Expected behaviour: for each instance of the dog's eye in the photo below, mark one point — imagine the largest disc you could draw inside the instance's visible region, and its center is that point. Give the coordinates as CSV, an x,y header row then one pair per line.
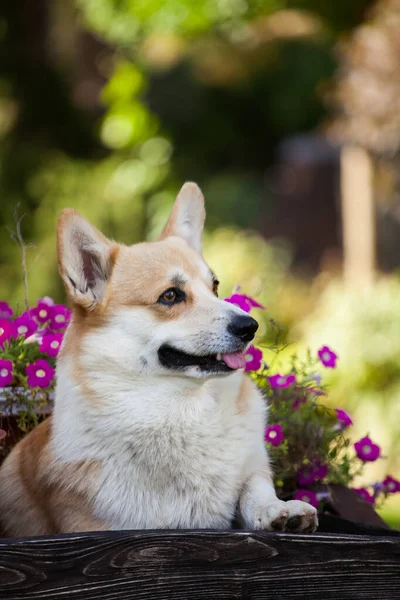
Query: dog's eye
x,y
171,296
215,287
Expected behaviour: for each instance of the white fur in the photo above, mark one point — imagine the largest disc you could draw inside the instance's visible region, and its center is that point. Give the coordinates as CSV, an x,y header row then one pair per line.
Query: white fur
x,y
175,451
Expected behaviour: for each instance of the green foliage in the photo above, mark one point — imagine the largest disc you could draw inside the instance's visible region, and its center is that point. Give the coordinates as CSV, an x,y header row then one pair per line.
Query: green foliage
x,y
364,328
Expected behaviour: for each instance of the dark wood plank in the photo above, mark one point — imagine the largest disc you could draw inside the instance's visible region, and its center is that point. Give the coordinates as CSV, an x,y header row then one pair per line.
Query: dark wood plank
x,y
200,565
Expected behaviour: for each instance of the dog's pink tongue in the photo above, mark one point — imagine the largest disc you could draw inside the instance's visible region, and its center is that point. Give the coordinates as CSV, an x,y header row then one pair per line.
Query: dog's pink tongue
x,y
234,360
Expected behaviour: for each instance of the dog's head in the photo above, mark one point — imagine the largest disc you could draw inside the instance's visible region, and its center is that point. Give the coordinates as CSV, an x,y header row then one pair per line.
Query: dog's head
x,y
151,307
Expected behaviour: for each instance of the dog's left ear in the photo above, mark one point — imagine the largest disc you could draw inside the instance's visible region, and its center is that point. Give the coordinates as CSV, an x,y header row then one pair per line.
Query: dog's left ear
x,y
187,217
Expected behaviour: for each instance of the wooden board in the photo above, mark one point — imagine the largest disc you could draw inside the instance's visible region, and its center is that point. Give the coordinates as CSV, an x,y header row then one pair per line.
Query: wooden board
x,y
200,565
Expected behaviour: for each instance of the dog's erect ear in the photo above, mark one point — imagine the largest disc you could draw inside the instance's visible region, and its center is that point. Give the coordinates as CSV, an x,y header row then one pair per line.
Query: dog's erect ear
x,y
85,259
187,216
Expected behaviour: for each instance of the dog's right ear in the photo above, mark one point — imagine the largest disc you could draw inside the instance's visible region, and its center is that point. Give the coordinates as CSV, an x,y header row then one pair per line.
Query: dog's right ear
x,y
85,259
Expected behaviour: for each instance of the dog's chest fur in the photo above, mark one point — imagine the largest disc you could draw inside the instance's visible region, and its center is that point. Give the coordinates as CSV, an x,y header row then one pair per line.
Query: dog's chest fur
x,y
178,463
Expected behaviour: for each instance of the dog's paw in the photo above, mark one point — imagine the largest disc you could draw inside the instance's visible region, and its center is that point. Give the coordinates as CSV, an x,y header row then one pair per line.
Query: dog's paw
x,y
293,516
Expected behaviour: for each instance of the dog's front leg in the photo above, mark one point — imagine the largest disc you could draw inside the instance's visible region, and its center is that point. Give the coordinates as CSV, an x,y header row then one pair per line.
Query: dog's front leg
x,y
259,507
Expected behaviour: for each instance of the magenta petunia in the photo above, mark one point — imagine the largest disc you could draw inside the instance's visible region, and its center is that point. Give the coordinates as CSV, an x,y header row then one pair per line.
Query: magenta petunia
x,y
25,325
281,381
244,302
365,494
311,473
60,316
391,485
6,312
51,343
367,450
328,357
47,300
6,375
306,496
253,303
253,359
240,301
274,435
40,373
344,418
7,331
41,312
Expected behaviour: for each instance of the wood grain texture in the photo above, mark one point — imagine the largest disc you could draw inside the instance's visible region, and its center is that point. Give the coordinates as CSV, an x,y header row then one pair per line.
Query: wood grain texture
x,y
200,565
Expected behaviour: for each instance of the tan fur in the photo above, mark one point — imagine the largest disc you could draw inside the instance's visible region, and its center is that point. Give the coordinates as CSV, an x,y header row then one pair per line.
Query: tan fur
x,y
46,499
242,401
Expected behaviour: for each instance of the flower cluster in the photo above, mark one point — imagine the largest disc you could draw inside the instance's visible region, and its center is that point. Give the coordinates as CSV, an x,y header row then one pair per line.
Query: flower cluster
x,y
308,441
30,342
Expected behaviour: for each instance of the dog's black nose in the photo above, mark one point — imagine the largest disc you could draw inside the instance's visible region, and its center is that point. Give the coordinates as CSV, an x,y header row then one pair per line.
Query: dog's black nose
x,y
243,327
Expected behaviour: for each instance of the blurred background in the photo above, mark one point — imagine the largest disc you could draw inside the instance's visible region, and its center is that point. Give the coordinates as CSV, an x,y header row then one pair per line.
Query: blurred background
x,y
287,114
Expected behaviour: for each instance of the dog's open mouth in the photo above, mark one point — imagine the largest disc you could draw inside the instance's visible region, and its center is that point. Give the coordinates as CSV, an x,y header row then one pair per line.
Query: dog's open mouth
x,y
216,363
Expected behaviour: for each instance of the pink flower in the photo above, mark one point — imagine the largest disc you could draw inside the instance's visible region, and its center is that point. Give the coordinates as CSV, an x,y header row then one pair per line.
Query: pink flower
x,y
6,375
274,435
367,450
281,381
311,473
244,302
253,359
364,494
391,485
7,331
51,344
42,312
344,418
25,325
6,312
60,316
306,496
40,374
327,357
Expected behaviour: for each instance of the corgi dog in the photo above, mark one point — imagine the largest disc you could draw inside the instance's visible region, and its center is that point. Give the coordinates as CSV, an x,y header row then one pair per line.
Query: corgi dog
x,y
155,425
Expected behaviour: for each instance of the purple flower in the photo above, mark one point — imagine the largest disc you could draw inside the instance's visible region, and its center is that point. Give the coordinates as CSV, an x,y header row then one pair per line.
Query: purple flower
x,y
25,325
47,300
42,312
60,316
391,485
311,473
378,488
274,435
364,494
367,450
51,344
253,359
40,374
7,331
306,496
240,301
6,312
6,375
328,357
244,302
344,418
281,381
